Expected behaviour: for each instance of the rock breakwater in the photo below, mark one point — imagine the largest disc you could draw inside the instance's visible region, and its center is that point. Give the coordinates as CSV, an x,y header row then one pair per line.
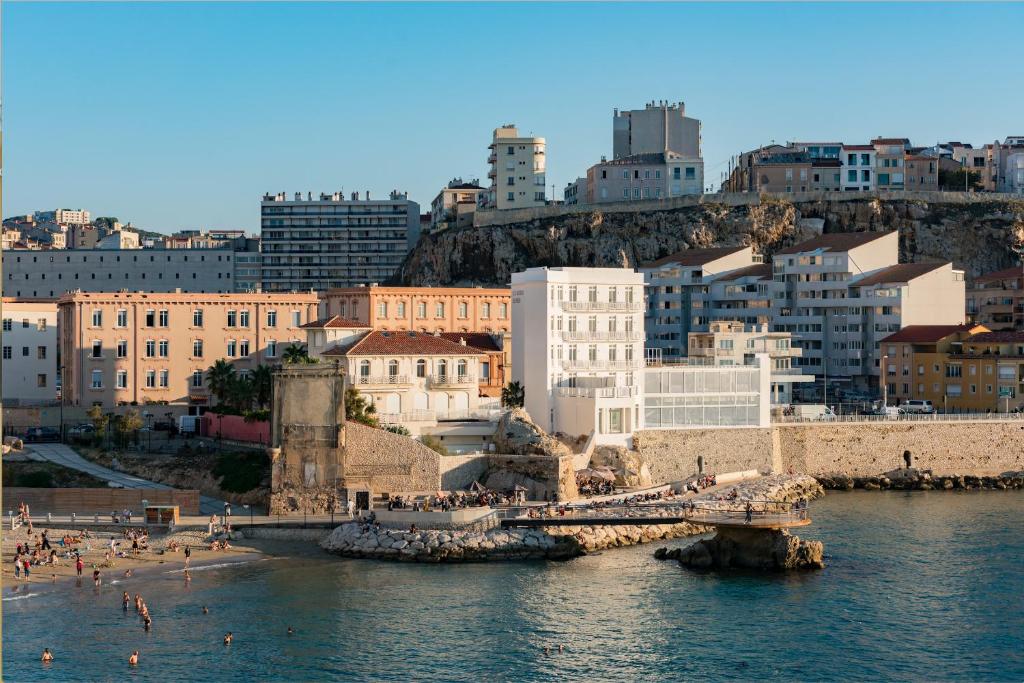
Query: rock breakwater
x,y
760,549
357,539
921,480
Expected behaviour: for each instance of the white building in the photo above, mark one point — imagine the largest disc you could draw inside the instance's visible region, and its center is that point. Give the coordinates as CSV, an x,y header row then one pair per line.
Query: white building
x,y
858,168
577,350
517,172
29,351
72,216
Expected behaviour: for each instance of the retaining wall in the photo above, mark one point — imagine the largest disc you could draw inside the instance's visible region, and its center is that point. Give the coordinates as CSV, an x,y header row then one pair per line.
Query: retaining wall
x,y
91,501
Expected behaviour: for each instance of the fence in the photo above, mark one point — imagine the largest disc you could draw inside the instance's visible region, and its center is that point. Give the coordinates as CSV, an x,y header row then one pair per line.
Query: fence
x,y
235,428
904,417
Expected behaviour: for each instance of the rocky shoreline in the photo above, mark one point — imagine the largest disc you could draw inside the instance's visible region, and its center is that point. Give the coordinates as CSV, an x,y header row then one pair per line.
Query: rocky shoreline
x,y
921,480
760,549
553,543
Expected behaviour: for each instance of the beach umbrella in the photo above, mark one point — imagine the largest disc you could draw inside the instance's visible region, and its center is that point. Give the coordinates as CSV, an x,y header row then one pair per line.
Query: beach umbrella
x,y
477,486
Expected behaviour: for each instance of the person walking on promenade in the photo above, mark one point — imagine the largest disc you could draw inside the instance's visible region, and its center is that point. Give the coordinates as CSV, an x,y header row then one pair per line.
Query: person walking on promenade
x,y
750,513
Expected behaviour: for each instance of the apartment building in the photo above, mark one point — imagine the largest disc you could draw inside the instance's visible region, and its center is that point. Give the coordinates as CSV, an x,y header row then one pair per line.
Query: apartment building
x,y
30,374
890,163
72,217
422,309
518,170
658,127
858,169
575,192
1006,165
656,175
454,205
922,173
677,294
49,274
729,342
996,300
319,243
122,348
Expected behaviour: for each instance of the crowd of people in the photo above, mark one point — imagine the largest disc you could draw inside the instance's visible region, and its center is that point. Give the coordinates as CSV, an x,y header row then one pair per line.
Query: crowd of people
x,y
124,517
454,500
588,486
705,481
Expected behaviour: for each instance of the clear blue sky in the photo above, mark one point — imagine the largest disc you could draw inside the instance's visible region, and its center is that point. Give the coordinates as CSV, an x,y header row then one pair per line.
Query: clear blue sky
x,y
182,115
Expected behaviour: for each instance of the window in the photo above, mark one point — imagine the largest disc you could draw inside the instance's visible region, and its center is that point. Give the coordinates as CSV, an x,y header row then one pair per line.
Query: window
x,y
485,370
97,379
197,318
8,324
439,309
421,309
382,309
503,311
7,353
41,379
97,319
164,378
364,368
461,367
163,317
197,378
690,173
197,348
122,349
163,348
41,352
232,319
442,369
485,310
232,348
243,318
97,348
122,379
271,318
296,318
24,351
851,176
243,348
463,310
392,368
150,348
122,318
400,306
421,368
150,379
271,349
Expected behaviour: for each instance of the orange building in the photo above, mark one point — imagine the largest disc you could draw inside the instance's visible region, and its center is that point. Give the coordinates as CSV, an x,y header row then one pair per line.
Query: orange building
x,y
422,309
127,348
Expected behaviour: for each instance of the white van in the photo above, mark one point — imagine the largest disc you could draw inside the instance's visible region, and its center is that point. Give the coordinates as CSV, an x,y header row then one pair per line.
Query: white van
x,y
917,406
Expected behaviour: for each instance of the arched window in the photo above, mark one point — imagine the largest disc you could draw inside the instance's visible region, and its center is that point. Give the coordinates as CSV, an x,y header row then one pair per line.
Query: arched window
x,y
461,367
442,368
364,368
392,368
421,368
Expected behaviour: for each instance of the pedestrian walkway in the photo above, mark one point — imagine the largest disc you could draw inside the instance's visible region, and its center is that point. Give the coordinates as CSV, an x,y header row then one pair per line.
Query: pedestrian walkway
x,y
64,455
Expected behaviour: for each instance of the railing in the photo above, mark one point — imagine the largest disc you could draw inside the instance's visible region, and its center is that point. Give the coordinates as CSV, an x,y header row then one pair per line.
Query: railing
x,y
489,414
586,365
451,380
762,513
905,417
606,306
597,392
587,336
368,380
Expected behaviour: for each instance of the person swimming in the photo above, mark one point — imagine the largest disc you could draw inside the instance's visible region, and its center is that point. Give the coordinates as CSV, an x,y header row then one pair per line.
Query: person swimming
x,y
206,610
290,630
125,600
134,659
228,638
47,655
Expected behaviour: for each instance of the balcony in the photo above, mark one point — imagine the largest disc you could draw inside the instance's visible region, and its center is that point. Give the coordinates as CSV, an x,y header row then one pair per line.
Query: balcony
x,y
597,392
606,336
380,380
593,365
603,306
443,381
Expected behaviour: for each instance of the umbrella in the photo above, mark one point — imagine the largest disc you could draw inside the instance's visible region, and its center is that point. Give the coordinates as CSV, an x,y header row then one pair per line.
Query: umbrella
x,y
596,474
519,487
477,486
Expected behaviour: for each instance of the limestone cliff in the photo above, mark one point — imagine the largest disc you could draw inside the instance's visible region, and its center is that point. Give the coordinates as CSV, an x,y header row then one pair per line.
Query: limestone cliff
x,y
977,235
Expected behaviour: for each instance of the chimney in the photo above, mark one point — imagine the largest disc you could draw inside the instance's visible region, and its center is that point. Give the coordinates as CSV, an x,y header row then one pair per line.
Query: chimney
x,y
462,340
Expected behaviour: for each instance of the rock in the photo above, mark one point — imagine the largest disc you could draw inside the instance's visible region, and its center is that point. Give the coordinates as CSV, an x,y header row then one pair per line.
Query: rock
x,y
517,434
399,545
762,549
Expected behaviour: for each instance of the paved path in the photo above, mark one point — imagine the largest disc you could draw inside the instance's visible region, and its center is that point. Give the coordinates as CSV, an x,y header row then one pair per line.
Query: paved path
x,y
61,454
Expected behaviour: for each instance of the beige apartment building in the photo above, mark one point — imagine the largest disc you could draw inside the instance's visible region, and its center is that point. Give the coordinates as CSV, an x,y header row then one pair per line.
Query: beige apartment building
x,y
422,309
122,348
996,300
517,172
30,374
454,205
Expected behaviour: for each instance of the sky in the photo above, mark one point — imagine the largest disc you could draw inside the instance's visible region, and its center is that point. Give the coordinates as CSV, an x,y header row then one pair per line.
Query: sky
x,y
181,115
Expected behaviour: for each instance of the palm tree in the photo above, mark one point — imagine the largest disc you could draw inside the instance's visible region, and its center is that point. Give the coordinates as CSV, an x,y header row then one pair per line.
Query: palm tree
x,y
262,380
513,395
295,354
219,377
239,393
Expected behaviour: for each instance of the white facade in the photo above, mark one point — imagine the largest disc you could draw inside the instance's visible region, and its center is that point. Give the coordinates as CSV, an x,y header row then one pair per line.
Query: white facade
x,y
72,216
29,351
858,168
518,169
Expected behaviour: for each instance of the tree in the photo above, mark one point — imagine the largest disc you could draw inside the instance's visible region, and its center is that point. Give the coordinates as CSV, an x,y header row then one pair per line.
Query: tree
x,y
513,395
953,181
239,393
100,420
105,221
398,429
219,378
357,409
262,382
296,354
127,424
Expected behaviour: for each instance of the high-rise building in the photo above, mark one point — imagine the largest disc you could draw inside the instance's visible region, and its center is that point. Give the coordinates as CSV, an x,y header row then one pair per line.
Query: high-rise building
x,y
329,241
658,127
517,172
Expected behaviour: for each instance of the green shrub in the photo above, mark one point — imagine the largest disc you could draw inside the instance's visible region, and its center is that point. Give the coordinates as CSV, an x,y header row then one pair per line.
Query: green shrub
x,y
241,471
434,444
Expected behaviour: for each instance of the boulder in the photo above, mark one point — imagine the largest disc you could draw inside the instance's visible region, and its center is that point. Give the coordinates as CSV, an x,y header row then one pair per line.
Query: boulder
x,y
517,434
760,549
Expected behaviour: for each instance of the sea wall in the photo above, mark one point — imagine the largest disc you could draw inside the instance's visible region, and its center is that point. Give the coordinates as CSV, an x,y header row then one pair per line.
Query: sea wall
x,y
977,448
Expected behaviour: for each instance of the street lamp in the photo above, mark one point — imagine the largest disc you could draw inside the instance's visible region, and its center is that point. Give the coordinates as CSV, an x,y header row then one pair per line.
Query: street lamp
x,y
885,380
249,508
60,374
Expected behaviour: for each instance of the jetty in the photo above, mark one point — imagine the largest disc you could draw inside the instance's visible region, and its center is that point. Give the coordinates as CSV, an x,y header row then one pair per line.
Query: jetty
x,y
765,514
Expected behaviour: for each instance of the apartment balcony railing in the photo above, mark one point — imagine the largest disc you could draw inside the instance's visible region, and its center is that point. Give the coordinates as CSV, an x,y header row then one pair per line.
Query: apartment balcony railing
x,y
606,336
597,392
603,306
452,380
380,380
433,416
590,365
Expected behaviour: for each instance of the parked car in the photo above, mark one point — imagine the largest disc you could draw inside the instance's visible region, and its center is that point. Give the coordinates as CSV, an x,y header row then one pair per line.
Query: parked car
x,y
165,426
84,430
38,434
891,412
917,406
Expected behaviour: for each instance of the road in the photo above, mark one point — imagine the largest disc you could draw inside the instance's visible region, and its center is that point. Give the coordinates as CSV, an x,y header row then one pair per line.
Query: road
x,y
61,454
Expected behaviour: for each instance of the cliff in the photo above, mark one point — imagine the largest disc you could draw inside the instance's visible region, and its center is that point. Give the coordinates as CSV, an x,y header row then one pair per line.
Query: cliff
x,y
975,232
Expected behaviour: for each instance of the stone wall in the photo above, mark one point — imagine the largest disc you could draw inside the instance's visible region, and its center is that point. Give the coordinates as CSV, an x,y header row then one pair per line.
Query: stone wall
x,y
458,472
856,449
672,455
545,477
391,463
91,501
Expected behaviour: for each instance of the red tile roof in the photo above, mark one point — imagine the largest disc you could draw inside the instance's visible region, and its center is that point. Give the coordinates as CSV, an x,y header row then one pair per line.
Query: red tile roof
x,y
996,337
335,321
694,257
836,241
481,341
922,334
1005,274
380,343
891,141
904,272
760,270
863,147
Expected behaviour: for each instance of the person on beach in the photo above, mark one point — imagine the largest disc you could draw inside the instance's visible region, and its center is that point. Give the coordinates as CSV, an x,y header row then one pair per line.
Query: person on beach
x,y
134,659
228,638
17,565
138,602
125,600
46,541
127,573
750,513
47,656
96,578
26,566
188,577
79,565
147,622
291,631
188,554
53,578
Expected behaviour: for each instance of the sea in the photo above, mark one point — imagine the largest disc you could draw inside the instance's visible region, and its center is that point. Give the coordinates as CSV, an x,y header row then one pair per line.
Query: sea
x,y
919,586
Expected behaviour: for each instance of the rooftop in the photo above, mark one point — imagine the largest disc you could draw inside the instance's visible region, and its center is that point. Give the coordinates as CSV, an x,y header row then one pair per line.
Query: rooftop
x,y
996,337
836,241
694,257
761,271
904,272
334,322
923,334
1005,274
649,158
481,341
379,343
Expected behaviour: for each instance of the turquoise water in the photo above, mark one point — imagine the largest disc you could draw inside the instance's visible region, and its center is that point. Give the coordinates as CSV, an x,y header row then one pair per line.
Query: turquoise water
x,y
918,586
